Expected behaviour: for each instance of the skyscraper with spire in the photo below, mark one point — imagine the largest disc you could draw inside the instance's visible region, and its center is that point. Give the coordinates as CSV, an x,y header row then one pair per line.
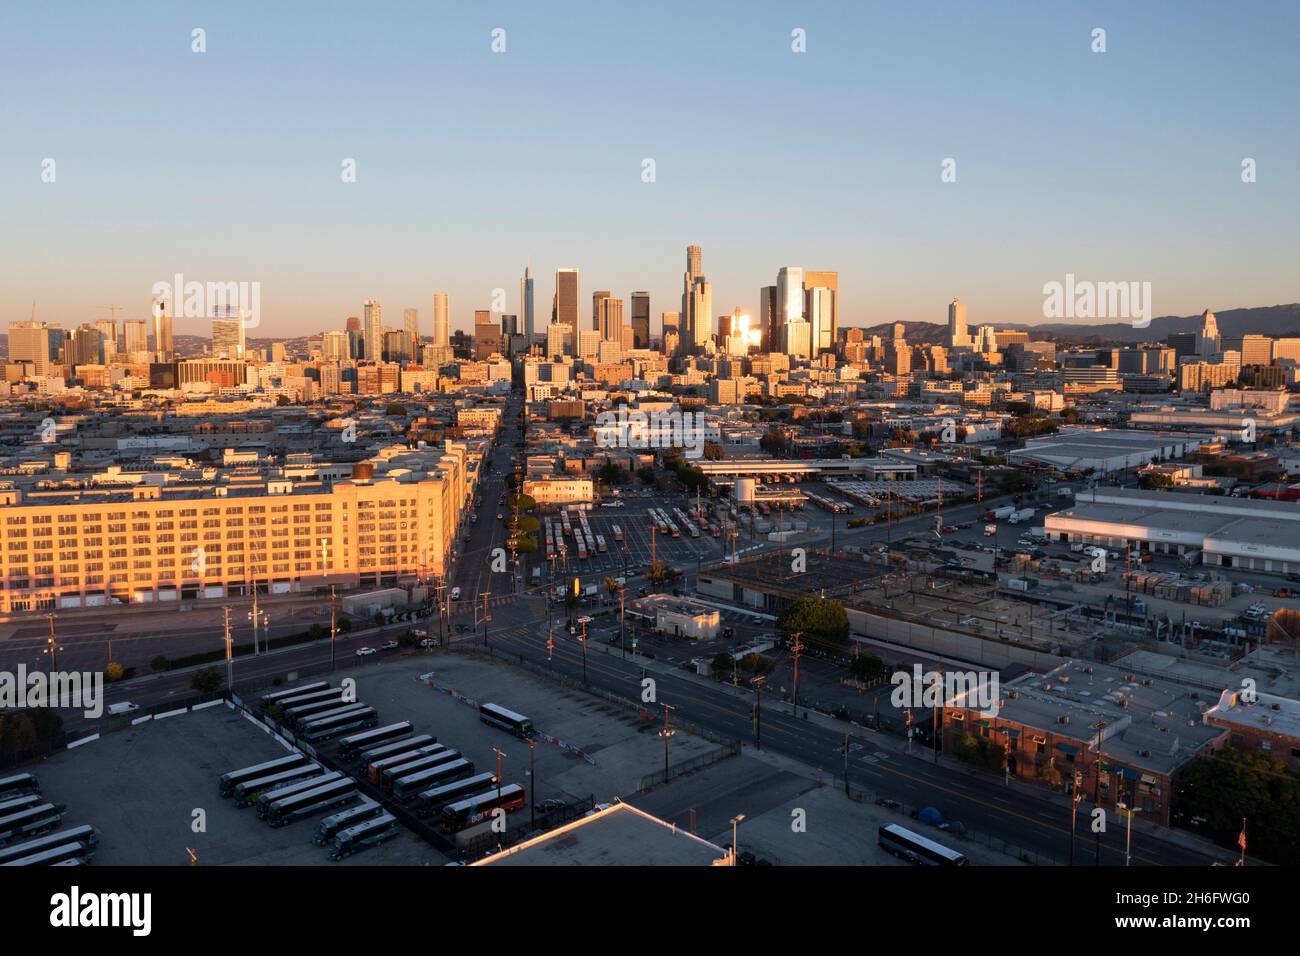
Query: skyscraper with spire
x,y
526,305
697,302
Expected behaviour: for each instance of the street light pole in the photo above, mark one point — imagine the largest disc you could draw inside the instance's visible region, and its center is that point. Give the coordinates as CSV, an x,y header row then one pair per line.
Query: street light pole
x,y
735,829
333,627
230,670
758,710
666,733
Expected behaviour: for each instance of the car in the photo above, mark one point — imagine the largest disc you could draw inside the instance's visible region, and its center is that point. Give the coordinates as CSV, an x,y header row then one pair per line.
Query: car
x,y
500,516
417,632
549,805
428,643
388,646
365,651
1146,559
455,594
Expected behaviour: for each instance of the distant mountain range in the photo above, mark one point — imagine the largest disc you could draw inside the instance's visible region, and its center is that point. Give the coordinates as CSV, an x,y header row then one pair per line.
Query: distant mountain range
x,y
1275,320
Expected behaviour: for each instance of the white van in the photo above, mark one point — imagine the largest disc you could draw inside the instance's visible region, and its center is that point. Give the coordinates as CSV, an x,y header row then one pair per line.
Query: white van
x,y
125,707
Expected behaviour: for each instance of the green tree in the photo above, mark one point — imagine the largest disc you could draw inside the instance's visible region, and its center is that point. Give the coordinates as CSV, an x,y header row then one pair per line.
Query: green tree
x,y
866,667
160,664
206,680
1230,784
819,620
396,410
114,672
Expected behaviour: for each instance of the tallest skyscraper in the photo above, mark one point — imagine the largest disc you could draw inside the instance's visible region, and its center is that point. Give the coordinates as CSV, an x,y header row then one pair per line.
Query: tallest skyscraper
x,y
697,302
526,305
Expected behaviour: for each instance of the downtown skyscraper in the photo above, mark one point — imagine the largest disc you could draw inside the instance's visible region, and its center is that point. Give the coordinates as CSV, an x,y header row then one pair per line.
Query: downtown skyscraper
x,y
641,320
372,330
526,309
697,303
441,320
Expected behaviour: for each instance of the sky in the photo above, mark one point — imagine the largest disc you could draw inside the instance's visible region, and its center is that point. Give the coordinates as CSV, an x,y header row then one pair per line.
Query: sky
x,y
471,164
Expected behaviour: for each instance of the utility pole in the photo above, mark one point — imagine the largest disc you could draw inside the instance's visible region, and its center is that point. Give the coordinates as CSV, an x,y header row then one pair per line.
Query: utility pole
x,y
486,617
1096,794
1076,797
52,646
847,792
622,593
758,683
584,620
532,782
333,627
500,756
796,648
934,732
666,733
255,617
230,669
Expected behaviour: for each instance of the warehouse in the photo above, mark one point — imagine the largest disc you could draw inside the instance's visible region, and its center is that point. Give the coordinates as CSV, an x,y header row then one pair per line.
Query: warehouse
x,y
1244,533
1104,450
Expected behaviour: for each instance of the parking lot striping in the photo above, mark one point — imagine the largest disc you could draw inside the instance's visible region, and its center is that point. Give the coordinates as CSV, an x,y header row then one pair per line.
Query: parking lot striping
x,y
83,740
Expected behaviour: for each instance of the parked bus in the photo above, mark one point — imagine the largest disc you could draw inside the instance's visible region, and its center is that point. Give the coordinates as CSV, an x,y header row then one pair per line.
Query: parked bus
x,y
918,849
235,777
85,835
300,713
31,822
618,534
434,799
465,813
377,767
329,693
20,783
335,718
335,822
246,793
395,748
498,716
600,544
353,743
341,725
19,803
404,788
325,797
62,854
390,775
279,793
370,833
269,699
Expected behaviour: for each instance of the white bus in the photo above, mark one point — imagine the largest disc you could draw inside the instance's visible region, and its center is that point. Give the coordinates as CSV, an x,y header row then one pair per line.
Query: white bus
x,y
325,797
279,695
84,835
335,822
279,793
246,793
232,779
912,846
349,745
370,833
55,856
432,801
405,787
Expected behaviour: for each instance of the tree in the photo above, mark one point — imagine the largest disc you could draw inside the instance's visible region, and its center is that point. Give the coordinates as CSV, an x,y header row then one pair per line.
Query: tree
x,y
160,664
646,474
774,442
1048,774
114,672
396,410
721,664
1154,480
206,680
282,400
866,667
819,621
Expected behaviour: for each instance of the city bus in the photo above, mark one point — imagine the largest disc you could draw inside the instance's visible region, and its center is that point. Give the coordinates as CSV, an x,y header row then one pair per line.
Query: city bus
x,y
390,775
335,822
246,793
333,726
404,788
918,849
432,801
325,797
498,716
20,783
31,822
264,800
269,699
618,534
377,767
600,544
54,856
370,833
85,835
465,813
235,777
350,745
342,710
395,748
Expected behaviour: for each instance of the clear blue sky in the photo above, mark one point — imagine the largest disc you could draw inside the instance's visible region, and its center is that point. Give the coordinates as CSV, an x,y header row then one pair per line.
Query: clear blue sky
x,y
225,165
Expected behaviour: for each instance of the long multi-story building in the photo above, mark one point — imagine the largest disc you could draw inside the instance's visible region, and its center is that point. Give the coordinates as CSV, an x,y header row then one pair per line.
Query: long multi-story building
x,y
372,330
156,544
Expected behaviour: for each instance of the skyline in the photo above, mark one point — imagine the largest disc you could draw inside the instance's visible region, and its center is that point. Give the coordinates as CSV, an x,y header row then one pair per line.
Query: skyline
x,y
460,190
